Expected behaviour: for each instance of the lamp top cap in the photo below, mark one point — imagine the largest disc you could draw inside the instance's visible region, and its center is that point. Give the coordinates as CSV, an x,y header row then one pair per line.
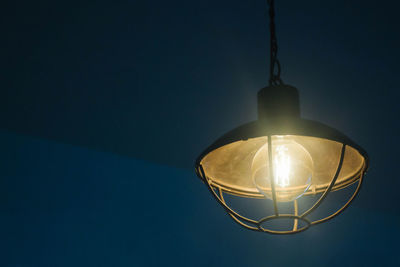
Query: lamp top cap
x,y
278,101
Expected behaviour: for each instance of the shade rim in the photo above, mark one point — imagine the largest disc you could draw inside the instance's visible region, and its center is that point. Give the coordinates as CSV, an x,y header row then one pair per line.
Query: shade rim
x,y
284,126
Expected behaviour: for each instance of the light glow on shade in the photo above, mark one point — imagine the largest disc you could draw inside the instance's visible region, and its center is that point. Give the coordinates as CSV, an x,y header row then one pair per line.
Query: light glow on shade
x,y
230,166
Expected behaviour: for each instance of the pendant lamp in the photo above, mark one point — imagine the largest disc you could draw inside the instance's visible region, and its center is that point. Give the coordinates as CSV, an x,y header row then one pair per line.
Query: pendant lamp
x,y
281,158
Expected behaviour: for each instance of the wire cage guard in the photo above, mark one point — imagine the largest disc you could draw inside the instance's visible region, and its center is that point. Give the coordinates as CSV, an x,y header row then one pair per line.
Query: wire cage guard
x,y
256,225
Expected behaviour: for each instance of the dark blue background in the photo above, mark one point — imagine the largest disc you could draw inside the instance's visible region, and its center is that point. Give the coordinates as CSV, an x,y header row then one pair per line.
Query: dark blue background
x,y
105,105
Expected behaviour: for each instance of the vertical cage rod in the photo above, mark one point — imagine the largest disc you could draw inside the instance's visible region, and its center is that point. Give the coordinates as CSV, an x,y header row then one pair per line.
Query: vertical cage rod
x,y
221,194
296,213
345,205
325,194
222,203
271,175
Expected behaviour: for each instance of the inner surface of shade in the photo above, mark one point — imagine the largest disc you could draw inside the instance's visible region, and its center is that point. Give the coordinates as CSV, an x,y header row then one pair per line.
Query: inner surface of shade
x,y
230,166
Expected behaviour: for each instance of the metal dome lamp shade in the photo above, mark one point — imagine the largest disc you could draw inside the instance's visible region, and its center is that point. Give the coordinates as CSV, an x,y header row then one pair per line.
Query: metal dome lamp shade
x,y
281,157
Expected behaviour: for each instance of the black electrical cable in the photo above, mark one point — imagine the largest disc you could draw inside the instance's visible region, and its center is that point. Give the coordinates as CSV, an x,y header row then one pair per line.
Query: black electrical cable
x,y
275,66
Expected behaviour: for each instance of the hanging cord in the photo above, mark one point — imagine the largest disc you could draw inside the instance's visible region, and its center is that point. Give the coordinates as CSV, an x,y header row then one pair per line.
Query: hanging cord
x,y
274,74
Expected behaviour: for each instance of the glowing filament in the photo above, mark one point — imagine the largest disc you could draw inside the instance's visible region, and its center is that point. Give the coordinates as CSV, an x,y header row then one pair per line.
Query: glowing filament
x,y
281,166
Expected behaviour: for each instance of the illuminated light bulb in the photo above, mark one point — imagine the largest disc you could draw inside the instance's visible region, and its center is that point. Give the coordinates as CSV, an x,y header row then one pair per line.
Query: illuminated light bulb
x,y
292,169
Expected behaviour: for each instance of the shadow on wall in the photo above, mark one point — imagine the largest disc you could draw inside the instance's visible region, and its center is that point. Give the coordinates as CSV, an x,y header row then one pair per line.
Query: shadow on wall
x,y
62,205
